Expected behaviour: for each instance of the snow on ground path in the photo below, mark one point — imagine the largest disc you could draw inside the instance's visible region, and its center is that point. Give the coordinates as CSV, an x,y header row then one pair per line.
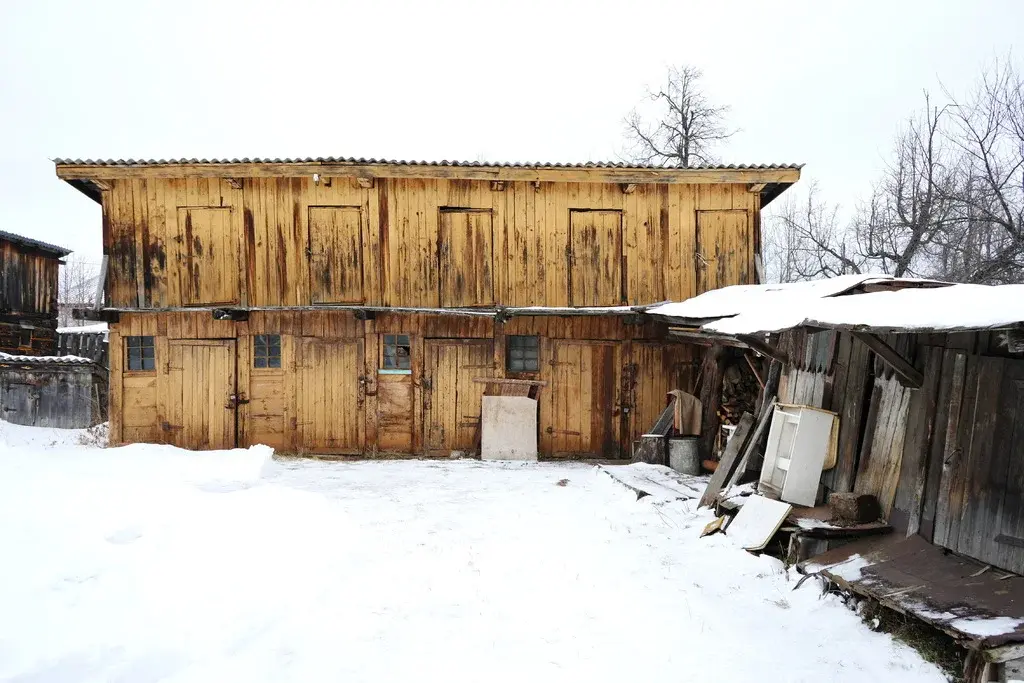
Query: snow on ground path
x,y
149,563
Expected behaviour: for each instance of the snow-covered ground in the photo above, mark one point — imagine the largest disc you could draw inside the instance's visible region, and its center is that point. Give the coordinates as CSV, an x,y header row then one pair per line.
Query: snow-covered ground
x,y
149,563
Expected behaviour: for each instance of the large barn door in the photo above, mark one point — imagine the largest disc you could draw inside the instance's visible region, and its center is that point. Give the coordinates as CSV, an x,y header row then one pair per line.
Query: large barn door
x,y
595,258
201,395
336,254
211,252
724,252
579,413
464,258
330,400
451,399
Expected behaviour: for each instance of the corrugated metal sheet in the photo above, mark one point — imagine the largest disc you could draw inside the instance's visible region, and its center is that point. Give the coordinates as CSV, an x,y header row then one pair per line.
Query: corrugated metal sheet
x,y
44,360
30,243
411,162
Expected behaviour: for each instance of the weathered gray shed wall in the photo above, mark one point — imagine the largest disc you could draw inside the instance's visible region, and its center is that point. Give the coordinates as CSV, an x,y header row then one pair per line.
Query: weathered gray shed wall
x,y
62,396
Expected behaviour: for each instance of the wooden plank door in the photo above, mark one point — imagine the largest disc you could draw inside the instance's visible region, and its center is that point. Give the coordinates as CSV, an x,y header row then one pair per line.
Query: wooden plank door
x,y
580,413
201,411
336,254
212,269
979,512
595,258
451,399
724,251
329,415
464,247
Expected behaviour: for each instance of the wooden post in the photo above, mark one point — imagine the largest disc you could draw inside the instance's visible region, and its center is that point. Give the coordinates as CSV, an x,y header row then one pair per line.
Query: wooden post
x,y
711,398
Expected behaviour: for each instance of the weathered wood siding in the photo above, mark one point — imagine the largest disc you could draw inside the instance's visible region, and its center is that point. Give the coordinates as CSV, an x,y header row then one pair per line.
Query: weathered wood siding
x,y
61,396
606,381
28,300
421,242
946,460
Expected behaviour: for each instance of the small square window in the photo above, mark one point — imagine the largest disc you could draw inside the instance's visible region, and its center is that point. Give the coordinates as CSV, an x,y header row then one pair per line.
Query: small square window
x,y
141,353
397,352
266,351
522,353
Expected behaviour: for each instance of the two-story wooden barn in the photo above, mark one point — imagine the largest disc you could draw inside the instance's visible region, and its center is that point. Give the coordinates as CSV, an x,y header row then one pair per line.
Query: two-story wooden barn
x,y
345,305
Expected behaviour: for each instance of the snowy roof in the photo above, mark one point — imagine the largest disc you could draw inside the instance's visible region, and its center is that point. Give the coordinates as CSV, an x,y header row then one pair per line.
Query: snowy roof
x,y
93,328
889,304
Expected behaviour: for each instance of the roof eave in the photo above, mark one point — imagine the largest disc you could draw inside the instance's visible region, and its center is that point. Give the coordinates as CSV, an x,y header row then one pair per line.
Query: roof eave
x,y
769,176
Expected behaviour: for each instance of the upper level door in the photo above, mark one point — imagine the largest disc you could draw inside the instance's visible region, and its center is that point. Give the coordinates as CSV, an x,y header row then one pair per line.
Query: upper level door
x,y
336,254
212,266
464,249
595,258
724,252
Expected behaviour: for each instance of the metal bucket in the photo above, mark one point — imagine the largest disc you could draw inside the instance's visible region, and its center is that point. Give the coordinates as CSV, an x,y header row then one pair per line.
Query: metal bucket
x,y
684,454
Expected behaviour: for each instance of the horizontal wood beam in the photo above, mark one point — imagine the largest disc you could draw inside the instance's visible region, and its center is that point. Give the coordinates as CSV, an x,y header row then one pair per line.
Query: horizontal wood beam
x,y
908,375
280,170
764,348
756,187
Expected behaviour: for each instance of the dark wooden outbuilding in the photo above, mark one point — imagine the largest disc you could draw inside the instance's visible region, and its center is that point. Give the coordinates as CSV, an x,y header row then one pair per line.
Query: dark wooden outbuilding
x,y
28,295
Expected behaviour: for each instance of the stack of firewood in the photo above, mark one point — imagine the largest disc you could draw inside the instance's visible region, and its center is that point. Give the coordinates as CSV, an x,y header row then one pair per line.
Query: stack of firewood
x,y
739,392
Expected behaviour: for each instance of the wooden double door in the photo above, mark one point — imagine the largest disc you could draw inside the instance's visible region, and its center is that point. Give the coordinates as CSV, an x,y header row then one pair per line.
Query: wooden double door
x,y
203,396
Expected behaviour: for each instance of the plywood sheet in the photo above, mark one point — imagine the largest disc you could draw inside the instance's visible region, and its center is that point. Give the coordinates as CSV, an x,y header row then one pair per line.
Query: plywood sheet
x,y
509,428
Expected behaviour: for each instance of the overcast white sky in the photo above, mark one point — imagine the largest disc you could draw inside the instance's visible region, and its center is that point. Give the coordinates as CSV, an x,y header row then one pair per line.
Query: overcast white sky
x,y
824,83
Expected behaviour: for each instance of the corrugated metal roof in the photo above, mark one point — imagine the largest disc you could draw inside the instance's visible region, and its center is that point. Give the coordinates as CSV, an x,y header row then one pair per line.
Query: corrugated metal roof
x,y
411,162
44,360
34,244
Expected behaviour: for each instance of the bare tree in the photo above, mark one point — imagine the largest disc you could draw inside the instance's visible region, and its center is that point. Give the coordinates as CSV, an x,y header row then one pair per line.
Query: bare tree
x,y
805,240
949,205
76,288
684,127
915,200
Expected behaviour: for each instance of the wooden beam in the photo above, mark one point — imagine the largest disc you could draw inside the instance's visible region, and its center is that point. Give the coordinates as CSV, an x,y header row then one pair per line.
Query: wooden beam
x,y
908,375
498,185
101,184
628,188
235,183
370,171
101,284
365,183
756,187
764,348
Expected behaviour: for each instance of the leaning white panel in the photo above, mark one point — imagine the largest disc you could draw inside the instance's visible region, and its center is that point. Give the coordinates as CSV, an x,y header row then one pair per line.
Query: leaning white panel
x,y
509,428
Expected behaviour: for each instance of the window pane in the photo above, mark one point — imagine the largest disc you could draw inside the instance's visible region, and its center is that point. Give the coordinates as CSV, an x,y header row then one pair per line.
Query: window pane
x,y
274,362
259,362
403,340
404,362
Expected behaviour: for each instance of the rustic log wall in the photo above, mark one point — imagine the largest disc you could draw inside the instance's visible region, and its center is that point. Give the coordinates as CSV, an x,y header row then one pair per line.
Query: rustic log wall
x,y
28,300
